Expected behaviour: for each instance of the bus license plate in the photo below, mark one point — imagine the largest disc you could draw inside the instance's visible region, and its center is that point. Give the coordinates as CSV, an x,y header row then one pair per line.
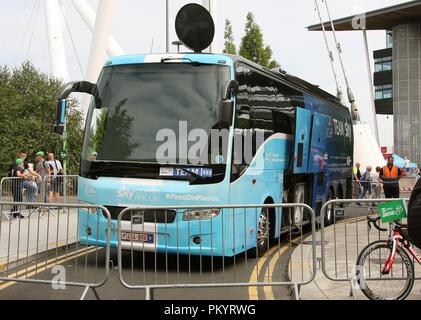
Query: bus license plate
x,y
137,237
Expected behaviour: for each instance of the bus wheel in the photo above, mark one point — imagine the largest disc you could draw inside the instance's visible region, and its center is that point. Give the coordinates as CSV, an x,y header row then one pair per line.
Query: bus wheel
x,y
330,212
263,230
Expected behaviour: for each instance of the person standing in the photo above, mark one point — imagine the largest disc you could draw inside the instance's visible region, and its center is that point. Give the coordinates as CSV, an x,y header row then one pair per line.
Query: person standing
x,y
42,168
390,176
376,183
366,180
56,182
31,184
20,155
356,185
17,186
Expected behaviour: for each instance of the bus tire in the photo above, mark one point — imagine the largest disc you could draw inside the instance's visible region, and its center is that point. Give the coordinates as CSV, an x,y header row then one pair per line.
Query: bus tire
x,y
262,233
330,210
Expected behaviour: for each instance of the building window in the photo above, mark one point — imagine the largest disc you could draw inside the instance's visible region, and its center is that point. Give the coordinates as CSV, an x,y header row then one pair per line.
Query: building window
x,y
383,64
384,92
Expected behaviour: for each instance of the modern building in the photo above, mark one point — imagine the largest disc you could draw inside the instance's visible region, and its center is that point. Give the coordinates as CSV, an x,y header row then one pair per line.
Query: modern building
x,y
397,74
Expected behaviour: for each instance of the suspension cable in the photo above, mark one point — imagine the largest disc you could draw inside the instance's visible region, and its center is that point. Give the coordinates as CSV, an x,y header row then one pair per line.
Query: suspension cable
x,y
26,30
71,40
351,99
33,30
338,88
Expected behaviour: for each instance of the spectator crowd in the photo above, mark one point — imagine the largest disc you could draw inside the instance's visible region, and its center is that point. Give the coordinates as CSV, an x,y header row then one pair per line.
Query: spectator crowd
x,y
39,179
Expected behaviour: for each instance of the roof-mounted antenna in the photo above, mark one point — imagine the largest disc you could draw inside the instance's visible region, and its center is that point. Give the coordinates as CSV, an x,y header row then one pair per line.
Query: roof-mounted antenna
x,y
351,99
332,60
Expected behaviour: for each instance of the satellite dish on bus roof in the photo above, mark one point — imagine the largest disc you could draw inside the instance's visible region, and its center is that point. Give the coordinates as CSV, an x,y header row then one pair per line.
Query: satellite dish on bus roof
x,y
195,27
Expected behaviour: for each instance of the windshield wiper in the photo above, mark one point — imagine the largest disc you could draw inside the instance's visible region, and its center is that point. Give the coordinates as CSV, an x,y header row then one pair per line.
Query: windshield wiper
x,y
193,63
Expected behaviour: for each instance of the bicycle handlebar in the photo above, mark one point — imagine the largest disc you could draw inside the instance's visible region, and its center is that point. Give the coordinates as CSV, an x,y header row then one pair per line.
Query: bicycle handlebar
x,y
375,221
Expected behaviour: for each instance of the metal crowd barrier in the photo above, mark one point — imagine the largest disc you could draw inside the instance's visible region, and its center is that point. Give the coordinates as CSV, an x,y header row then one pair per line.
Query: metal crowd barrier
x,y
51,244
342,242
60,189
206,253
374,190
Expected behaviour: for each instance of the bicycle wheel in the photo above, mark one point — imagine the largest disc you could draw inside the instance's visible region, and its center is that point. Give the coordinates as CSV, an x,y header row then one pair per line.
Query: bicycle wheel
x,y
377,286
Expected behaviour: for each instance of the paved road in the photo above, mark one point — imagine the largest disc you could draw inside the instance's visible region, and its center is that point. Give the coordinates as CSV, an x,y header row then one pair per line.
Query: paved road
x,y
84,264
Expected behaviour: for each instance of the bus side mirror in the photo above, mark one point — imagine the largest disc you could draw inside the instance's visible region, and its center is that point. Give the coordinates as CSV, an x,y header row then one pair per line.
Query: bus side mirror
x,y
226,112
60,117
226,108
231,87
65,91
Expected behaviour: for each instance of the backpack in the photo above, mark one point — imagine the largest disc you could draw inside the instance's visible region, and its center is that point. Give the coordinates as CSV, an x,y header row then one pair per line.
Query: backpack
x,y
11,171
414,215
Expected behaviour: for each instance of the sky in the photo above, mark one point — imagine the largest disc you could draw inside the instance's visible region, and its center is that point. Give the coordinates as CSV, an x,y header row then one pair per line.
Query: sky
x,y
139,27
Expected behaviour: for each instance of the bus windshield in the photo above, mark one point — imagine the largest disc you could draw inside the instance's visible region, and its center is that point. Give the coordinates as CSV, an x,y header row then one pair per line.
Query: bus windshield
x,y
138,101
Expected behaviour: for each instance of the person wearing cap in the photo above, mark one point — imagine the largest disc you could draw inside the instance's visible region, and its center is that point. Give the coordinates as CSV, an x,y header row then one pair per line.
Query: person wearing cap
x,y
42,168
20,155
17,186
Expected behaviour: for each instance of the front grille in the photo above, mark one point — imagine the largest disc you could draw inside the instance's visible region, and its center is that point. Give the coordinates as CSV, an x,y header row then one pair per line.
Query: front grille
x,y
149,215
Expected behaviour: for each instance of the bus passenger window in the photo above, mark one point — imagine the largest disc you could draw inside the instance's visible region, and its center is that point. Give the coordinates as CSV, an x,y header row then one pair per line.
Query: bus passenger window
x,y
282,123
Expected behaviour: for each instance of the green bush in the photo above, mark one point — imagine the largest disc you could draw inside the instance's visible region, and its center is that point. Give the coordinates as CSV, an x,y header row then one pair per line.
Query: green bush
x,y
28,100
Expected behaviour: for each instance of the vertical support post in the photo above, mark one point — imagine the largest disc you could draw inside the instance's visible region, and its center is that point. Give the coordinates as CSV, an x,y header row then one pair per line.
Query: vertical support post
x,y
58,64
370,80
88,15
98,54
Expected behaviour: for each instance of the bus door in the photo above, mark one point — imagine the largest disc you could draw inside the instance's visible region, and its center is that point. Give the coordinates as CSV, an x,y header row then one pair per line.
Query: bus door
x,y
302,140
317,159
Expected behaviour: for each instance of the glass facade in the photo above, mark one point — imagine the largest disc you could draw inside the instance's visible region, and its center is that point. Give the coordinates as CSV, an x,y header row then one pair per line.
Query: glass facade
x,y
384,92
407,90
383,64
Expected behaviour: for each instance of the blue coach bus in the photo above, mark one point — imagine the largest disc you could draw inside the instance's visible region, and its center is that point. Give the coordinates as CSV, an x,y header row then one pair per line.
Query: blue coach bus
x,y
301,150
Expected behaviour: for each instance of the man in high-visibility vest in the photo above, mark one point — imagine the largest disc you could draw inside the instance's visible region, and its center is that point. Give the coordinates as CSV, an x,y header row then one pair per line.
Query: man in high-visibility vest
x,y
390,175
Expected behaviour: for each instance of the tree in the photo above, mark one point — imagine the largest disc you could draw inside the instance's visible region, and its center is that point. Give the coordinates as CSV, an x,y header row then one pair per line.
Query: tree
x,y
252,46
28,109
229,39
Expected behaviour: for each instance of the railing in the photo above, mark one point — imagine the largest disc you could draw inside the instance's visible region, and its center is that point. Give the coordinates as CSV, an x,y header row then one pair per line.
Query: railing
x,y
221,251
59,189
48,244
342,242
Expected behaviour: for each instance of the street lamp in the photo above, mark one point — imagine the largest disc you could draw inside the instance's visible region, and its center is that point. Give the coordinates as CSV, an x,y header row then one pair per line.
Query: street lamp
x,y
178,43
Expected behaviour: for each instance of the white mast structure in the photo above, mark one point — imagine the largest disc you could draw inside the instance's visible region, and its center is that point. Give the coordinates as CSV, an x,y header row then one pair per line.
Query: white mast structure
x,y
211,6
58,63
88,15
102,31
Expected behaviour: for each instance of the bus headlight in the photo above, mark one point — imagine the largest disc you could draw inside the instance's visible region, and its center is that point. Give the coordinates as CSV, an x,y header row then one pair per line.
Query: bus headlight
x,y
209,214
89,210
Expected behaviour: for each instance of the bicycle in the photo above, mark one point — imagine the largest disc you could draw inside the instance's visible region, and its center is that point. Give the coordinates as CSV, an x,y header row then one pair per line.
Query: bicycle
x,y
384,265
